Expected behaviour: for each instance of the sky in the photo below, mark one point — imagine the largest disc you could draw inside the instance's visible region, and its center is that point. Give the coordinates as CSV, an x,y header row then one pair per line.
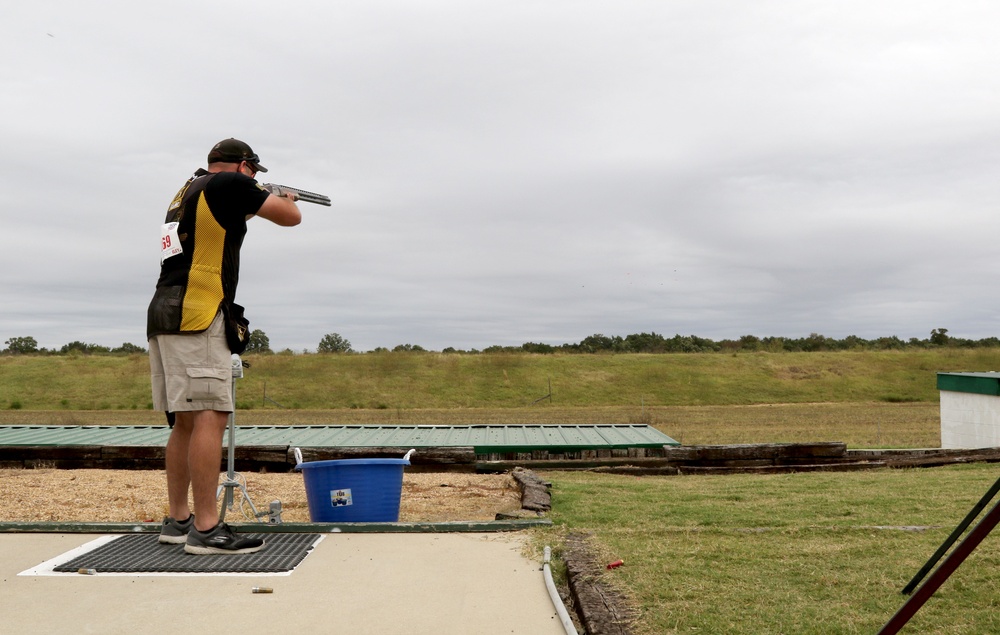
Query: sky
x,y
516,171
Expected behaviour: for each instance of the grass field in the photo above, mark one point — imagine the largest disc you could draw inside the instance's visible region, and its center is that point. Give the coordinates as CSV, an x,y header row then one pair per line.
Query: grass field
x,y
796,553
403,381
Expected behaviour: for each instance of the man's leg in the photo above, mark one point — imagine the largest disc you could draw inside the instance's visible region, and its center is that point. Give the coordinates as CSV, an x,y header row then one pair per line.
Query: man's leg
x,y
178,473
193,456
204,459
209,536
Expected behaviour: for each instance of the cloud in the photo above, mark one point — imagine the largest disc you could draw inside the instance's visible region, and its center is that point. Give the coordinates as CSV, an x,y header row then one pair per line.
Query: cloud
x,y
516,171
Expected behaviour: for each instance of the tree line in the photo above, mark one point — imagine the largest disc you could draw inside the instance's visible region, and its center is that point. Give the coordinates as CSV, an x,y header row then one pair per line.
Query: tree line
x,y
598,343
29,345
656,343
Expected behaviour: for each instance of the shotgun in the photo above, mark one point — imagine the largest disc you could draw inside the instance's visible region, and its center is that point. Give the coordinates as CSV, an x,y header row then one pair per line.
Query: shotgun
x,y
302,195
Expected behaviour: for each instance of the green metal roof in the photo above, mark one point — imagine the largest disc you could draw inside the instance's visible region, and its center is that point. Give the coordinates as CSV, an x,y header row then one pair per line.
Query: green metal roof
x,y
976,383
484,438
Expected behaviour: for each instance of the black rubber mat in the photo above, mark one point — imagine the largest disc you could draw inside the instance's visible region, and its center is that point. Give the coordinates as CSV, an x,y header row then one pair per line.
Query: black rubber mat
x,y
141,553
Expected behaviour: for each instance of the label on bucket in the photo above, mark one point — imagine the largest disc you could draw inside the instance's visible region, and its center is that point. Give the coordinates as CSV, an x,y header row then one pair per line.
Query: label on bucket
x,y
340,497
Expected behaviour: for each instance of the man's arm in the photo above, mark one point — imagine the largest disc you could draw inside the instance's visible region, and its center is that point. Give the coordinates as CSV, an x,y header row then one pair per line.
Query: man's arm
x,y
280,210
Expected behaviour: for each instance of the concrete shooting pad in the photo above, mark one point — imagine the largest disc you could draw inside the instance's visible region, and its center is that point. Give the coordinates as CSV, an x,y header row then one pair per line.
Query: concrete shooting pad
x,y
350,583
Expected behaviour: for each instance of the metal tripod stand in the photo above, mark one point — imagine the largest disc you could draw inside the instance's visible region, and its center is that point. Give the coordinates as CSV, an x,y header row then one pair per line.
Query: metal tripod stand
x,y
231,483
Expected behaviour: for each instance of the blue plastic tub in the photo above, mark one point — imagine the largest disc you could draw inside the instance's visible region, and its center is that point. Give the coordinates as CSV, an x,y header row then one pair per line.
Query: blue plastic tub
x,y
354,490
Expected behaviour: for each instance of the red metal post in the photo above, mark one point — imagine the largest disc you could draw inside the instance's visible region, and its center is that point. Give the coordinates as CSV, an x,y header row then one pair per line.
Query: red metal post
x,y
955,535
952,562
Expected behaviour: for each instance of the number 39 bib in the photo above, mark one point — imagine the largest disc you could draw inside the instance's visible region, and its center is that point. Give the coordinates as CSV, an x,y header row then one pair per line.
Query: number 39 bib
x,y
170,244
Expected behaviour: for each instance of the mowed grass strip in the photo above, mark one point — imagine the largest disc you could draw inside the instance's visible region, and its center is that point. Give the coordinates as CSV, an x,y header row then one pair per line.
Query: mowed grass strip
x,y
859,425
796,553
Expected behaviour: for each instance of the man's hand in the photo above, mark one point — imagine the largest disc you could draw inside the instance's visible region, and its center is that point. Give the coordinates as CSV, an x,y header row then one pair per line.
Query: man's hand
x,y
283,192
296,194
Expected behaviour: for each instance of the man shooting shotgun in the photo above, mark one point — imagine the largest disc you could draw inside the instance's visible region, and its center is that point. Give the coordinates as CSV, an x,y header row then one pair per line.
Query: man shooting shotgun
x,y
194,326
302,195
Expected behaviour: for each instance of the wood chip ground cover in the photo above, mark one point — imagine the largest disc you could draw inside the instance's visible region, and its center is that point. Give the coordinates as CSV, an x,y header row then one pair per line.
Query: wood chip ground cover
x,y
140,495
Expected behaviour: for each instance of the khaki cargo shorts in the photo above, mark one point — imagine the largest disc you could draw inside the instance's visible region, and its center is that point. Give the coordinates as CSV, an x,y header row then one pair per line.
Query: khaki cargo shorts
x,y
192,371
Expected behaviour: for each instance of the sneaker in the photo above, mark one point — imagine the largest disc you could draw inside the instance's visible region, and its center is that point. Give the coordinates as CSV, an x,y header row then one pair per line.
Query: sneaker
x,y
174,532
220,540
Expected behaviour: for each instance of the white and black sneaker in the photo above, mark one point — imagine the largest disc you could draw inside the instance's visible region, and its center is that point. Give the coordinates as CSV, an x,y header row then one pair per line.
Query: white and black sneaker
x,y
220,540
174,532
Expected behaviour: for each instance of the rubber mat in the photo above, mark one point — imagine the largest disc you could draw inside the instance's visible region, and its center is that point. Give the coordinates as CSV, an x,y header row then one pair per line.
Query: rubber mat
x,y
142,553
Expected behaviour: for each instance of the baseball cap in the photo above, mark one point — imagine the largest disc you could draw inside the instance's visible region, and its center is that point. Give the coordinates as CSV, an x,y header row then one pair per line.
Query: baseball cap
x,y
233,151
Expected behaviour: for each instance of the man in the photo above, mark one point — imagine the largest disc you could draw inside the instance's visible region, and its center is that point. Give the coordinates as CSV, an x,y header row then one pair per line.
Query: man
x,y
190,359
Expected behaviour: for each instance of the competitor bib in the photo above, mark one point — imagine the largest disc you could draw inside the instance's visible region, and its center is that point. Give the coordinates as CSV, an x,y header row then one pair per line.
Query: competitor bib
x,y
170,243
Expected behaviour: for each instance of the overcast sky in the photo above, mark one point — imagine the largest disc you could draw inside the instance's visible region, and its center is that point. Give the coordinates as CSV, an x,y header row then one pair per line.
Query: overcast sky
x,y
515,171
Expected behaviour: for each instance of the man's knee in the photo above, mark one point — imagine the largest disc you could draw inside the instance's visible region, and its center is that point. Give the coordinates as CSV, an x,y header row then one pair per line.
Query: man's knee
x,y
212,417
193,417
183,425
208,422
184,420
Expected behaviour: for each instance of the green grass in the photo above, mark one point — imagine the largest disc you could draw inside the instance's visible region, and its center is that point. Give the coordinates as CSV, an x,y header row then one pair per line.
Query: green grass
x,y
390,381
798,553
859,424
70,382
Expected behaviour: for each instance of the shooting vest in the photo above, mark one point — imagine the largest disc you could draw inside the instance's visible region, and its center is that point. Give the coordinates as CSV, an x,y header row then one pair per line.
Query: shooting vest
x,y
200,251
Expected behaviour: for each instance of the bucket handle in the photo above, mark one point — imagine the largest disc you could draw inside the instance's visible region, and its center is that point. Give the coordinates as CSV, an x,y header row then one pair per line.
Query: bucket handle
x,y
298,456
407,456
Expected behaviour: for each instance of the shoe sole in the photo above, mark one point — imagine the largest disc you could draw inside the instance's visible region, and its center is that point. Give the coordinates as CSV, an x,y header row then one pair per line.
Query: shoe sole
x,y
198,550
172,540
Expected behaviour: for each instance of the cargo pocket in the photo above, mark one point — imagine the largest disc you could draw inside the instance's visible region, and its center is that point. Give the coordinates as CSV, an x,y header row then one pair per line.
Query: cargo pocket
x,y
208,384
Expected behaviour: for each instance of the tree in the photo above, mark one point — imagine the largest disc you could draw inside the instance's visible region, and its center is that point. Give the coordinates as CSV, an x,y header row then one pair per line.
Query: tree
x,y
408,348
815,342
886,343
334,343
84,348
532,347
599,342
128,348
939,337
258,342
644,343
750,342
21,345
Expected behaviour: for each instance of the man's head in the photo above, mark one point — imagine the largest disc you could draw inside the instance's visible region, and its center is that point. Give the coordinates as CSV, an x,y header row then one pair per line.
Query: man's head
x,y
235,151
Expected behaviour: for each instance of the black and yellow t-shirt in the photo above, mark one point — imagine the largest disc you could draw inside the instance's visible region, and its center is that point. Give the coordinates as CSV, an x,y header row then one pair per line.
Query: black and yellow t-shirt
x,y
210,213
